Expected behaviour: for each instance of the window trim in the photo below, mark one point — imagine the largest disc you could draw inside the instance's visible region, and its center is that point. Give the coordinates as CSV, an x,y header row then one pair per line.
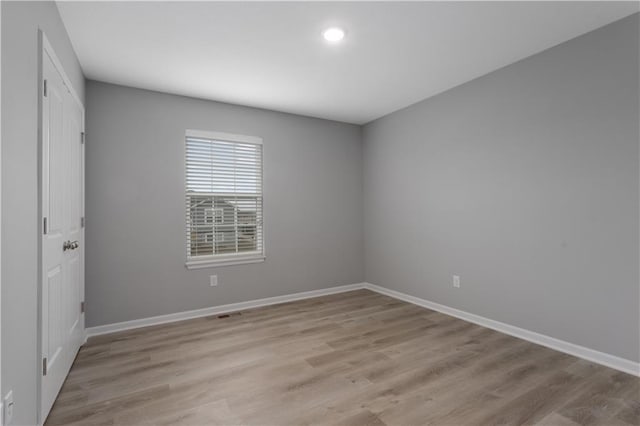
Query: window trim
x,y
257,256
229,260
221,136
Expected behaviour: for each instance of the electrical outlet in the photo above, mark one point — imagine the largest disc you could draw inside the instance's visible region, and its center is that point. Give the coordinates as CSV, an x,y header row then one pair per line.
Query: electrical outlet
x,y
456,281
8,409
213,280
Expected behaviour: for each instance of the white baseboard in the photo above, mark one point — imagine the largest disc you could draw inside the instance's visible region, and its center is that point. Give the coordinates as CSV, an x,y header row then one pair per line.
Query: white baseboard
x,y
216,310
592,355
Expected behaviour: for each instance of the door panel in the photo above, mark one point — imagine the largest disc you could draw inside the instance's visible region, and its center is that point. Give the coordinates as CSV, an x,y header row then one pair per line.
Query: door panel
x,y
54,141
73,315
62,209
53,297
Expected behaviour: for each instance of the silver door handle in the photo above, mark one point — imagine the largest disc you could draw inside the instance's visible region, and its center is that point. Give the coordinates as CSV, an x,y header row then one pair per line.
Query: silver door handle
x,y
70,245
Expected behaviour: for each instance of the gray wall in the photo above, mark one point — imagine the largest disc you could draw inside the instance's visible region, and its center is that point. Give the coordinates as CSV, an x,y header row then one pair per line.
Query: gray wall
x,y
20,53
525,183
135,236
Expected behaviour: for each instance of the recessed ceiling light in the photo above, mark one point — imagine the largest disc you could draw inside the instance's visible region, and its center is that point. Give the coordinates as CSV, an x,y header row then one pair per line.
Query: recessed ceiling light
x,y
333,34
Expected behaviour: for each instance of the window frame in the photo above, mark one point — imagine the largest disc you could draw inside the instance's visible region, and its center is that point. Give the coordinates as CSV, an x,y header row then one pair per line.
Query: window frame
x,y
215,260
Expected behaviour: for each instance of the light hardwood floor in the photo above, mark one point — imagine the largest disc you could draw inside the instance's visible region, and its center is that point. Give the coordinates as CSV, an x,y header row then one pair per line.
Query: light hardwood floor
x,y
356,358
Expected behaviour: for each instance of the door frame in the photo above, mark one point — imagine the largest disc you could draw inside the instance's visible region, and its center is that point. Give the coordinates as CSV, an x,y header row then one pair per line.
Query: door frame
x,y
45,48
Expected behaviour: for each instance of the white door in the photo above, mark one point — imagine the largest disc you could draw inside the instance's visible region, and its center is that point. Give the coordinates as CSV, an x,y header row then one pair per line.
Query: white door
x,y
62,231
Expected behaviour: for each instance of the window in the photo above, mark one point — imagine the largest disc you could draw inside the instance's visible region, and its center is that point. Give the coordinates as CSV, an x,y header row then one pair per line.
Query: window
x,y
212,215
223,199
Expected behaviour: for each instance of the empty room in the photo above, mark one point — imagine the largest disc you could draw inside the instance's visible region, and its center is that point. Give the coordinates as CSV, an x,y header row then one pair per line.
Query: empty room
x,y
319,213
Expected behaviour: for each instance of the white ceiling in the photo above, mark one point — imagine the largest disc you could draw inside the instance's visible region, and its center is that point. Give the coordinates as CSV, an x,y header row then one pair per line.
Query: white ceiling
x,y
272,55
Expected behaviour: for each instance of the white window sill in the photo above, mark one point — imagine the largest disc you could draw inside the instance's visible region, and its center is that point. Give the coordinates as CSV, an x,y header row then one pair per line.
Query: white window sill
x,y
229,261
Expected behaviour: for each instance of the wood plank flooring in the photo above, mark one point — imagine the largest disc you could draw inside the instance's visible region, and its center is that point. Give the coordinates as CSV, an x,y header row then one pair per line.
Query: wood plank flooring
x,y
357,358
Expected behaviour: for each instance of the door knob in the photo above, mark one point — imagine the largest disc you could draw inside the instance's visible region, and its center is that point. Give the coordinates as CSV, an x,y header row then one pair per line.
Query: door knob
x,y
70,245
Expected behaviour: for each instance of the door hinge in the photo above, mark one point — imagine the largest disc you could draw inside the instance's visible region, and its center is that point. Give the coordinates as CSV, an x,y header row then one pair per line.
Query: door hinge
x,y
44,226
82,222
81,137
82,307
44,366
45,88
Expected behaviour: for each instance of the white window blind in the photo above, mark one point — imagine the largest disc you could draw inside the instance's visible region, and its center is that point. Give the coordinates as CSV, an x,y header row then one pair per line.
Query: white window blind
x,y
223,199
